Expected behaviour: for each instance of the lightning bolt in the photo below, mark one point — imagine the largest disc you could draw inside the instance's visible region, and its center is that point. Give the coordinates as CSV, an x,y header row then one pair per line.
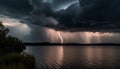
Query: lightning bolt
x,y
60,36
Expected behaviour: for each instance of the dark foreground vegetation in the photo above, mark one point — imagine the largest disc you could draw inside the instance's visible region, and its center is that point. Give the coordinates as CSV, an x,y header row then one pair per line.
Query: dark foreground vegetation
x,y
11,52
17,61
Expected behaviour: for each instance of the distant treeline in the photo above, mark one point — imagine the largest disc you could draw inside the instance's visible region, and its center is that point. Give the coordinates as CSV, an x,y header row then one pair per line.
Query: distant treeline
x,y
70,44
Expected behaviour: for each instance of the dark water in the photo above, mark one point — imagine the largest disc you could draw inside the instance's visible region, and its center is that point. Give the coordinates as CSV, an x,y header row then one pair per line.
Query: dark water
x,y
75,57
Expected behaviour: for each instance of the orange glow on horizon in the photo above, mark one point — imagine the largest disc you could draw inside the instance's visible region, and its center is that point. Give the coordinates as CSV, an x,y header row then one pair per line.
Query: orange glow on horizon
x,y
8,24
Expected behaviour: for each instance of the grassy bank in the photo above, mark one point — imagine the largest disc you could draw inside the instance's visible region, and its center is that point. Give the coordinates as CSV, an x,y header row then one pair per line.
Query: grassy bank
x,y
17,61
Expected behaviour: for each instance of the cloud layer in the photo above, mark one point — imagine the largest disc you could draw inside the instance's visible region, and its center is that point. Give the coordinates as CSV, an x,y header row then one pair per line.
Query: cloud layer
x,y
84,15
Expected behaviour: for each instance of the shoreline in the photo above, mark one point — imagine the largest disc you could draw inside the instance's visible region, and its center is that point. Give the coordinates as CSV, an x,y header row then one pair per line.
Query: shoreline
x,y
71,44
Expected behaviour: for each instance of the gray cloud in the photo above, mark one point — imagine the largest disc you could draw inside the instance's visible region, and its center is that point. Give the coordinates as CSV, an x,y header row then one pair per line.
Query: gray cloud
x,y
85,15
100,9
93,15
20,5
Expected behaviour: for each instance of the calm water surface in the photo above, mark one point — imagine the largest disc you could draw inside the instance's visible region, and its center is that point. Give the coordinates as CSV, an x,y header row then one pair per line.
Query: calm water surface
x,y
75,56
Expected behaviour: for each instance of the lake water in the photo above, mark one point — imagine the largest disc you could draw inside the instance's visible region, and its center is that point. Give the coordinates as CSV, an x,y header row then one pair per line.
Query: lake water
x,y
75,57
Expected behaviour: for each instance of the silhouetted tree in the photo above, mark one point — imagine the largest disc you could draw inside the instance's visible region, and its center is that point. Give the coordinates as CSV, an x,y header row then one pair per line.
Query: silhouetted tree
x,y
10,48
9,43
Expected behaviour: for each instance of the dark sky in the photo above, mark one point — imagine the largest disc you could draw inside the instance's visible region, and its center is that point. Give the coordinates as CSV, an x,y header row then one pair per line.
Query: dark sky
x,y
65,14
29,17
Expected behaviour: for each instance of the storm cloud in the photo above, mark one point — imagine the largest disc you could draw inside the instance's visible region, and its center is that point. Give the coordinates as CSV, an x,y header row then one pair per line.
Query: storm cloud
x,y
92,15
13,8
65,14
100,9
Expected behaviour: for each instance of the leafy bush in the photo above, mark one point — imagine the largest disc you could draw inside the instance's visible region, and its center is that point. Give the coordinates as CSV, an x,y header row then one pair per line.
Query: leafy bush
x,y
9,43
10,52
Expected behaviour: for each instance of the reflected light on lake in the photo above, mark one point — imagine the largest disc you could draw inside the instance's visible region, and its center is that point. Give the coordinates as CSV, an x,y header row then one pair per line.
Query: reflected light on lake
x,y
57,54
93,55
54,57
